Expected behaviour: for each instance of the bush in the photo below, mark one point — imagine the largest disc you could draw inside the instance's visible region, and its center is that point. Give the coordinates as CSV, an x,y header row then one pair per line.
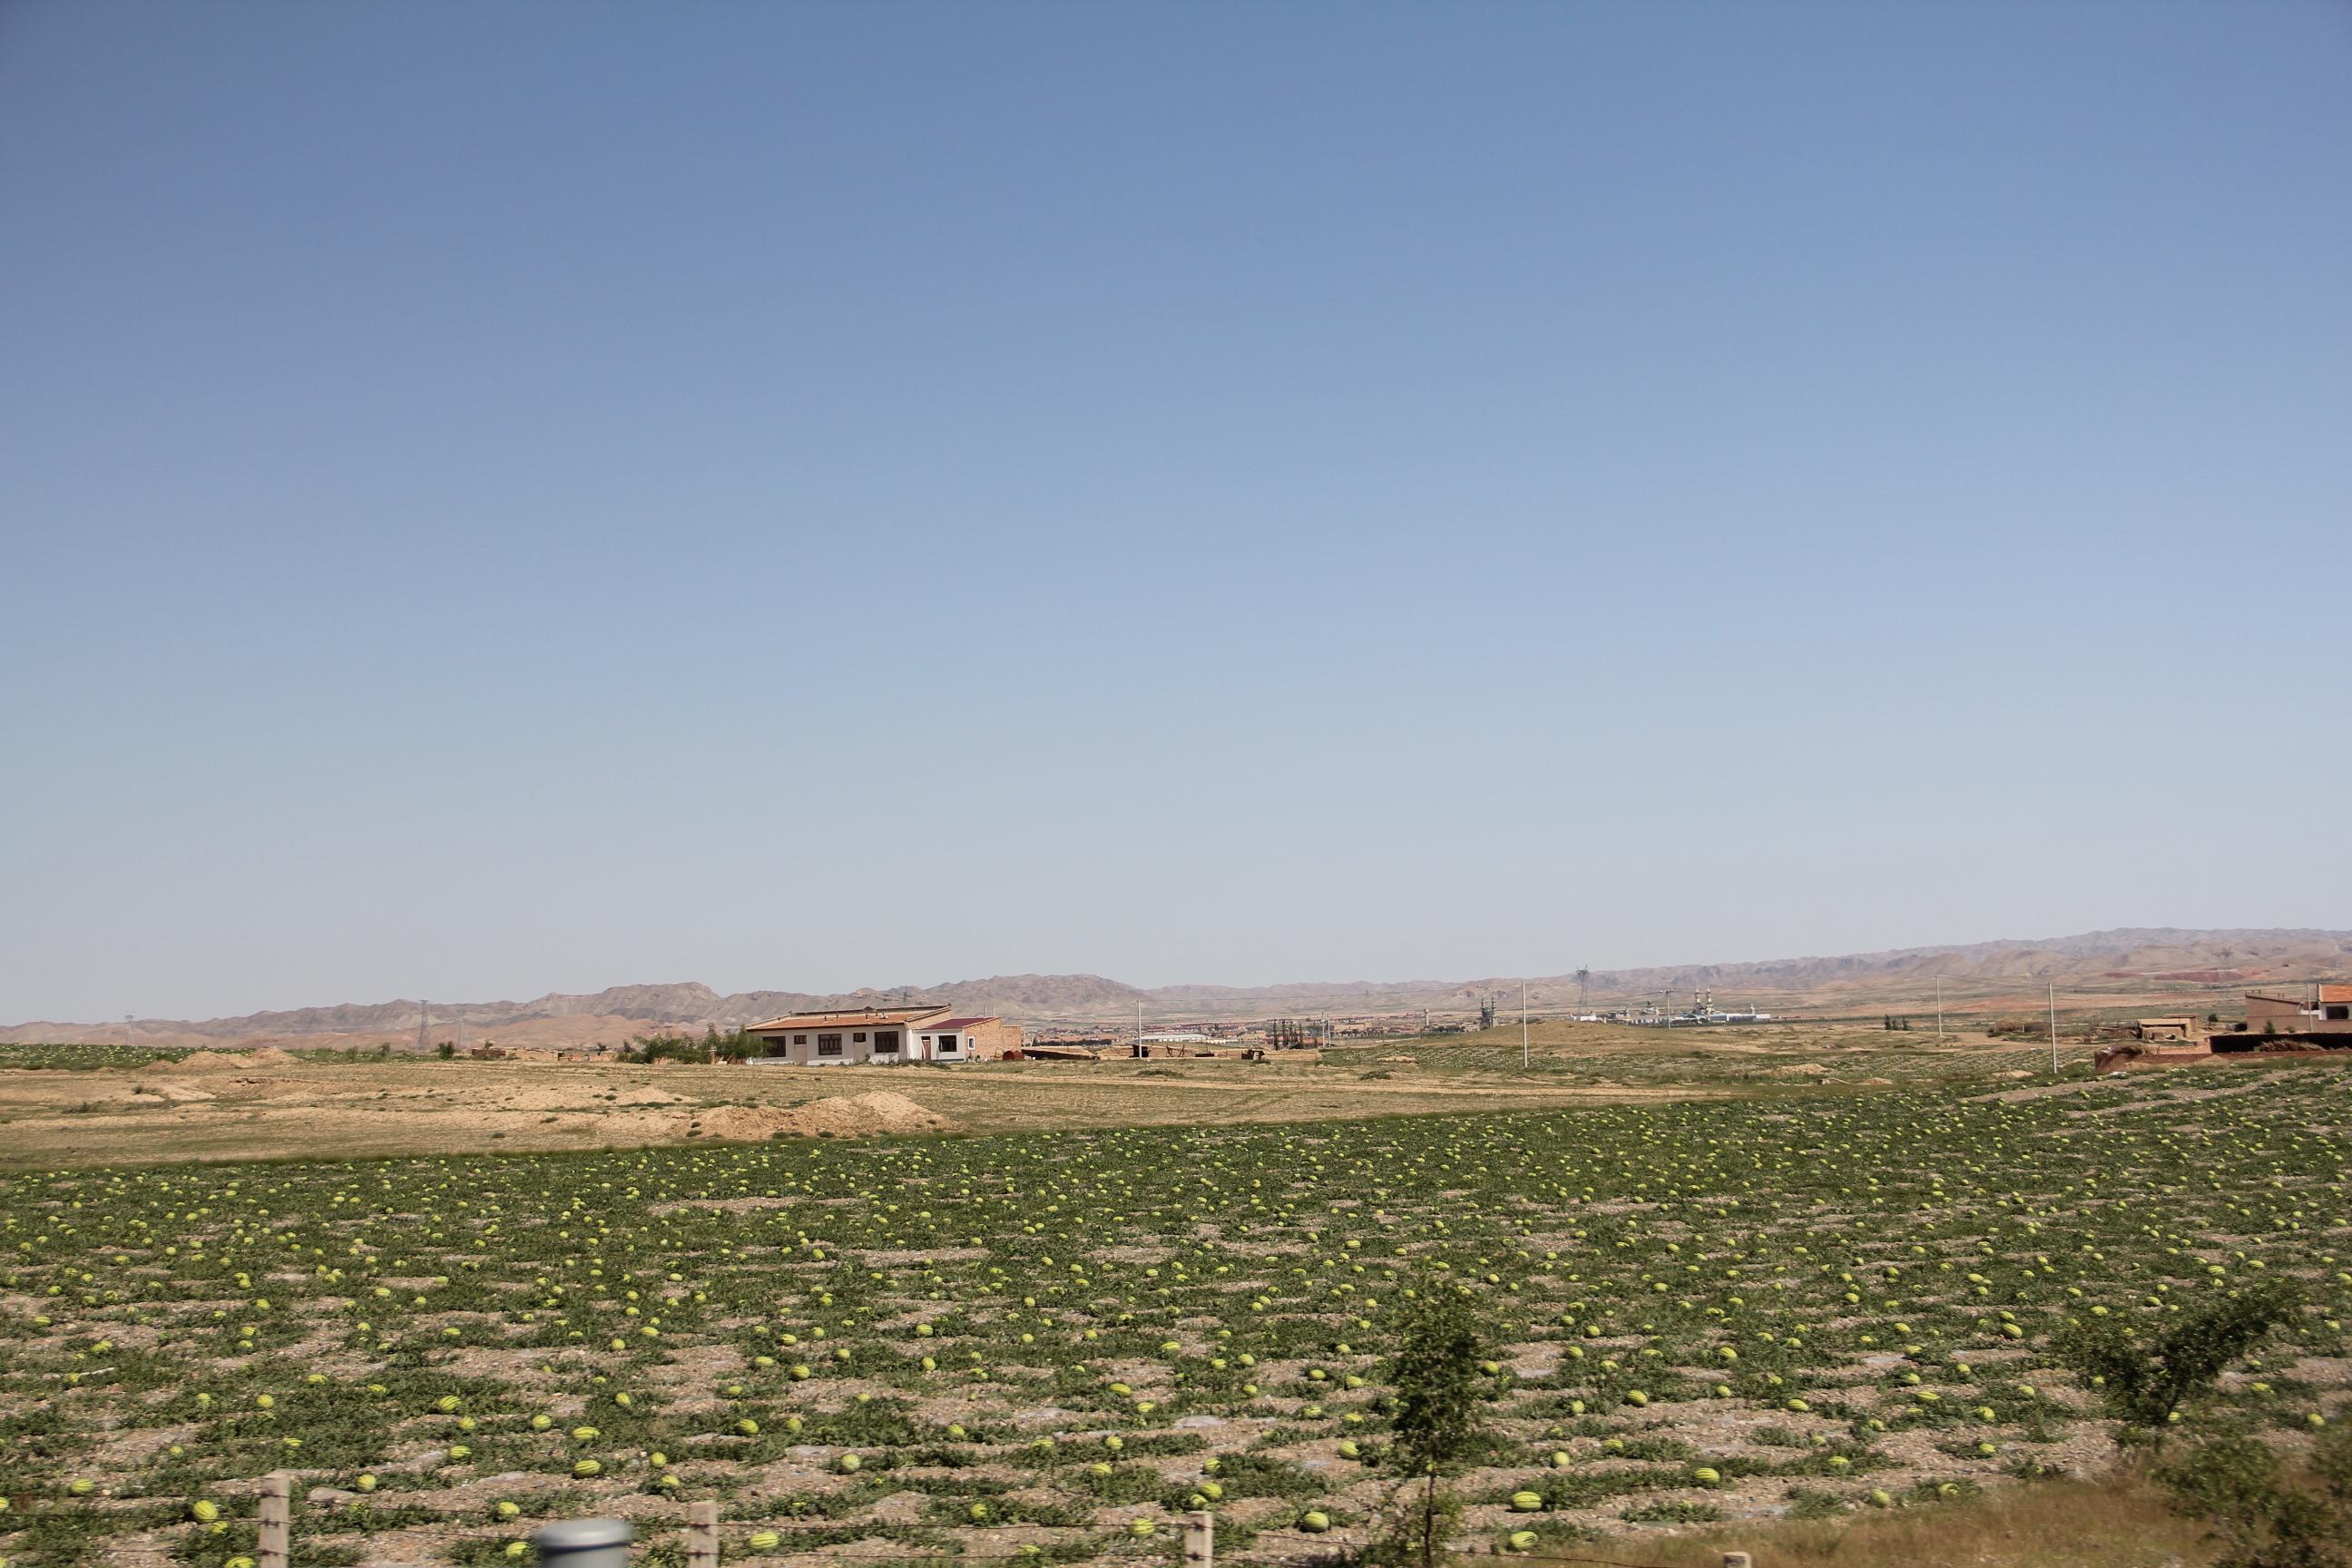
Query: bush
x,y
2260,1517
710,1047
2145,1379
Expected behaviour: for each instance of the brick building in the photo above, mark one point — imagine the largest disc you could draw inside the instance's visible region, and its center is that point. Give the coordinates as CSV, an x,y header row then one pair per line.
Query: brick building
x,y
2313,1007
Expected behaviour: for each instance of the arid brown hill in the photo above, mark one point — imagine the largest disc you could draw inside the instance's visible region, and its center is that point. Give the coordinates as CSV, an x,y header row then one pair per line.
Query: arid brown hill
x,y
2110,961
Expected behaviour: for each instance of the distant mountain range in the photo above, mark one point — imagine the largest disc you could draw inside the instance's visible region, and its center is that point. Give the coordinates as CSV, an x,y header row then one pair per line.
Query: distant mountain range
x,y
2125,963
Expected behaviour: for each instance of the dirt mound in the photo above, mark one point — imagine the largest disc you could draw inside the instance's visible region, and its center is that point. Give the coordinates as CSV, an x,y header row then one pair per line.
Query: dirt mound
x,y
896,1112
271,1057
740,1121
206,1061
843,1116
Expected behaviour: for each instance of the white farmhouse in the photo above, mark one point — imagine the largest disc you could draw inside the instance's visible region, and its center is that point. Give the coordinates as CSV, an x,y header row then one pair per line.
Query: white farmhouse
x,y
884,1036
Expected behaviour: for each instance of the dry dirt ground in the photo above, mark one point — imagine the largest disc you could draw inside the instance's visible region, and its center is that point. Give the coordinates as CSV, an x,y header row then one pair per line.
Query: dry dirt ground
x,y
270,1103
225,1105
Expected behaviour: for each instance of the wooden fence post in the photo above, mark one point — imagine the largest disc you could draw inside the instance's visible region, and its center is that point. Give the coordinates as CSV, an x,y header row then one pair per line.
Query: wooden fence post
x,y
1199,1539
702,1535
275,1536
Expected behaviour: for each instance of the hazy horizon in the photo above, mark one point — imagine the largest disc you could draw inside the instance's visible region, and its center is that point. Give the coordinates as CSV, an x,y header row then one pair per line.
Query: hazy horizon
x,y
514,995
531,494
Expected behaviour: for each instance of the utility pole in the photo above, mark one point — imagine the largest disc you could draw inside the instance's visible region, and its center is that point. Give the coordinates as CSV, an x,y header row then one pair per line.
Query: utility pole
x,y
2053,1026
425,1030
1527,1059
1139,1026
1939,1009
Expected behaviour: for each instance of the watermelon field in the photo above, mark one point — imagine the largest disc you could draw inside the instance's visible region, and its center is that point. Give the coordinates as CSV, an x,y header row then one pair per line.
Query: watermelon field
x,y
1050,1346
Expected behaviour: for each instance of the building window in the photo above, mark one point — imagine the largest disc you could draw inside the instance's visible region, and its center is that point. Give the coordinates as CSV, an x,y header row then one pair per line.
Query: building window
x,y
886,1042
800,1039
828,1045
2340,1012
947,1042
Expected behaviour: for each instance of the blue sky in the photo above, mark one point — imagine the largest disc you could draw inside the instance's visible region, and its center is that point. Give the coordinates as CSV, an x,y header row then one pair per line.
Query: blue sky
x,y
508,498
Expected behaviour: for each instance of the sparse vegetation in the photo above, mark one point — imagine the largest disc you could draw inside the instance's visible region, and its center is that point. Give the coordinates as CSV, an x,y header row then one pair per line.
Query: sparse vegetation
x,y
709,1046
67,1058
2257,1509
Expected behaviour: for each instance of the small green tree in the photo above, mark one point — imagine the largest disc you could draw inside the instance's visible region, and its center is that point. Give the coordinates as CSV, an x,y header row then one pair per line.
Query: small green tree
x,y
2145,1378
446,1050
1435,1372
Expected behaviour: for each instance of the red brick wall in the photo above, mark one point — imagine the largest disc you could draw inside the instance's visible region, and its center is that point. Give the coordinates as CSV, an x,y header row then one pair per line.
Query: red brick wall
x,y
988,1041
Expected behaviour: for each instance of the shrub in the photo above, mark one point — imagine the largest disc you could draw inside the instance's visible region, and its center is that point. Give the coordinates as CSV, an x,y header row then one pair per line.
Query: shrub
x,y
2262,1517
2146,1378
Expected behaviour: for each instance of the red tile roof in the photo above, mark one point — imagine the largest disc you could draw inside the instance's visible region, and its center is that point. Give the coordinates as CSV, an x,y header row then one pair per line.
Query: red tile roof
x,y
940,1026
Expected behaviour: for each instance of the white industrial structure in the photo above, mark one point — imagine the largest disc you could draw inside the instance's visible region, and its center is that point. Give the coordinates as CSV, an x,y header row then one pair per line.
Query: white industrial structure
x,y
1701,1011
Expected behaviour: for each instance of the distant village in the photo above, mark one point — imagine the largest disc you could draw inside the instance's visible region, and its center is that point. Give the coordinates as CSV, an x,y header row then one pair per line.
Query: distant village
x,y
2297,1019
2280,1020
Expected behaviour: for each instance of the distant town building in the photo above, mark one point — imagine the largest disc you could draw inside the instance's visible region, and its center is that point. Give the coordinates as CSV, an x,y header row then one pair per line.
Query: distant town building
x,y
883,1036
2314,1008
